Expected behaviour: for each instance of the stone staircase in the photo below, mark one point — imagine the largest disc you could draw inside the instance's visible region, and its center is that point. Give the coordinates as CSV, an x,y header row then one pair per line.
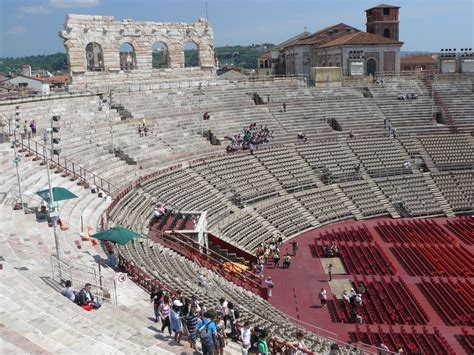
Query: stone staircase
x,y
381,197
430,183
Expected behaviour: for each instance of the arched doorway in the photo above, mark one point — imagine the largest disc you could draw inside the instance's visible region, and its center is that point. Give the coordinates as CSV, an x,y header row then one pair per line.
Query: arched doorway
x,y
94,57
191,55
371,66
128,58
161,57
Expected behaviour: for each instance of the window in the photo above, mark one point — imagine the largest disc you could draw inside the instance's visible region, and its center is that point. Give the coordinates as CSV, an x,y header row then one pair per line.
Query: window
x,y
369,13
128,58
160,55
386,11
191,55
94,57
386,32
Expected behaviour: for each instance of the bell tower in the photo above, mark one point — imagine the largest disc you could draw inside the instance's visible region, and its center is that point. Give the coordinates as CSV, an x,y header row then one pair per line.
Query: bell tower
x,y
382,20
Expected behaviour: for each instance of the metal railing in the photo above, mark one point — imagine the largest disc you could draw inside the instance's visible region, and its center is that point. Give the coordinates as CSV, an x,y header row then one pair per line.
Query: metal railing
x,y
35,149
104,289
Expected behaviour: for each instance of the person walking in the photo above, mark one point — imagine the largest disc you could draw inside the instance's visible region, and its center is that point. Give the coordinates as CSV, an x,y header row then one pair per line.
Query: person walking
x,y
262,346
164,310
220,330
245,338
294,244
175,320
192,319
276,259
207,331
284,106
323,297
287,261
269,284
155,298
330,271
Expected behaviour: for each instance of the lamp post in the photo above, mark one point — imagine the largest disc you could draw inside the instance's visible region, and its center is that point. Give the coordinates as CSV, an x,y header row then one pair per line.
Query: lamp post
x,y
16,161
53,207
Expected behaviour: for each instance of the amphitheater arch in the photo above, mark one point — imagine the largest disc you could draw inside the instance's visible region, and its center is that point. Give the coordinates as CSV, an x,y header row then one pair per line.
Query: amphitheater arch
x,y
191,54
160,55
127,57
371,66
94,57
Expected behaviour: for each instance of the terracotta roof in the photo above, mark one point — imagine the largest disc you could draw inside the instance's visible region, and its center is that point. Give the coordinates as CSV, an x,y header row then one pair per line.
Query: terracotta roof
x,y
360,38
383,6
266,55
54,79
418,58
317,37
292,40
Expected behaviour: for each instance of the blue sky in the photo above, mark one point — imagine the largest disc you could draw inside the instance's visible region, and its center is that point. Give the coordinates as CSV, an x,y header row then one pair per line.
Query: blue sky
x,y
31,26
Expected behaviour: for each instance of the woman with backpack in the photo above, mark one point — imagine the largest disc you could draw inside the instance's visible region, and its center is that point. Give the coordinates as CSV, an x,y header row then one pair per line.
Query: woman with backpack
x,y
164,310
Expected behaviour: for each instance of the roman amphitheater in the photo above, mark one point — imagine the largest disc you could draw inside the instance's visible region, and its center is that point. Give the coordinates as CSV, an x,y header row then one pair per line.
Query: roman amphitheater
x,y
397,205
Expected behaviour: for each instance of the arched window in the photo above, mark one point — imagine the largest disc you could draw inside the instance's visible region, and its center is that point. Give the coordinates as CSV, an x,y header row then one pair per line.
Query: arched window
x,y
386,33
128,58
191,55
94,57
161,57
371,66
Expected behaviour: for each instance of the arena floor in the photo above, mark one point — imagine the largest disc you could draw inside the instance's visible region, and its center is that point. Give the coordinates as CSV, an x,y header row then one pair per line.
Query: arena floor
x,y
296,289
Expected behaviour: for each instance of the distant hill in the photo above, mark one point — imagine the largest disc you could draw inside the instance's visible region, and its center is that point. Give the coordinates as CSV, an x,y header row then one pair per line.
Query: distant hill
x,y
241,56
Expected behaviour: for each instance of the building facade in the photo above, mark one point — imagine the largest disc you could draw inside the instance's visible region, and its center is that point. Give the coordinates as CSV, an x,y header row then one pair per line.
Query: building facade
x,y
355,52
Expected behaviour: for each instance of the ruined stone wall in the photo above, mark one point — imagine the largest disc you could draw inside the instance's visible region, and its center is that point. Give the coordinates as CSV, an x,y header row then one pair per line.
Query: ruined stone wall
x,y
110,34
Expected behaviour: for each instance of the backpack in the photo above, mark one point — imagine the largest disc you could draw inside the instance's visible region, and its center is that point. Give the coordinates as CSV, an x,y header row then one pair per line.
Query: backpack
x,y
206,336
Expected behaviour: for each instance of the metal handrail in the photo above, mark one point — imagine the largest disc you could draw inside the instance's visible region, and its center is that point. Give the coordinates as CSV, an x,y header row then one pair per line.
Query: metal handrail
x,y
81,274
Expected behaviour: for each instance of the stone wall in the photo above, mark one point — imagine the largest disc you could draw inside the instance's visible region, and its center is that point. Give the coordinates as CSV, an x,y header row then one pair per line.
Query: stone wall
x,y
110,34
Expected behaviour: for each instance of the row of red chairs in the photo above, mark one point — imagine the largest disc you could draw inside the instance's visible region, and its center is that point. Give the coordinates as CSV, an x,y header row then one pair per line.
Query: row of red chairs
x,y
360,258
452,300
466,340
389,303
435,260
413,231
463,228
409,342
355,234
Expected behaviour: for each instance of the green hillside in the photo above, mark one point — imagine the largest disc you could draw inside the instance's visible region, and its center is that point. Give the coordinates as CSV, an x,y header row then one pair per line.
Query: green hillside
x,y
241,56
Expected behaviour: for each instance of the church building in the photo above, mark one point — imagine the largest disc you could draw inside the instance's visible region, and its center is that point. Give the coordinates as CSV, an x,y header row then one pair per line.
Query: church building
x,y
354,51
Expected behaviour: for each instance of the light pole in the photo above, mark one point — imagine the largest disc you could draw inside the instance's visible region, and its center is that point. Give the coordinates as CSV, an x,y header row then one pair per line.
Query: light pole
x,y
16,161
53,207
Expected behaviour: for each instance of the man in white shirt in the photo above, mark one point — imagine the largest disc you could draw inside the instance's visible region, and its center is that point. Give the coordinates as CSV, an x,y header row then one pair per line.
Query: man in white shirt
x,y
245,338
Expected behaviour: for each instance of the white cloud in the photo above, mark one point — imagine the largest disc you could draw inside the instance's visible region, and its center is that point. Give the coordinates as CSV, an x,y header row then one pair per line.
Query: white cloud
x,y
65,4
35,10
16,30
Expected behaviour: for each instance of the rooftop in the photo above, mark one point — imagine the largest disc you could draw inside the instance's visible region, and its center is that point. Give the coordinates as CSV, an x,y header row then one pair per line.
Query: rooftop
x,y
360,38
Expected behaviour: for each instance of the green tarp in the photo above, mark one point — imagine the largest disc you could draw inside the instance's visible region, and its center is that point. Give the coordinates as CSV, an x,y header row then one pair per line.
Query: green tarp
x,y
59,194
118,235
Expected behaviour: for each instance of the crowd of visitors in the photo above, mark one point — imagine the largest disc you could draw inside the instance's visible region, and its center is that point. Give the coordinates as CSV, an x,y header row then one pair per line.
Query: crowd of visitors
x,y
252,137
211,326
